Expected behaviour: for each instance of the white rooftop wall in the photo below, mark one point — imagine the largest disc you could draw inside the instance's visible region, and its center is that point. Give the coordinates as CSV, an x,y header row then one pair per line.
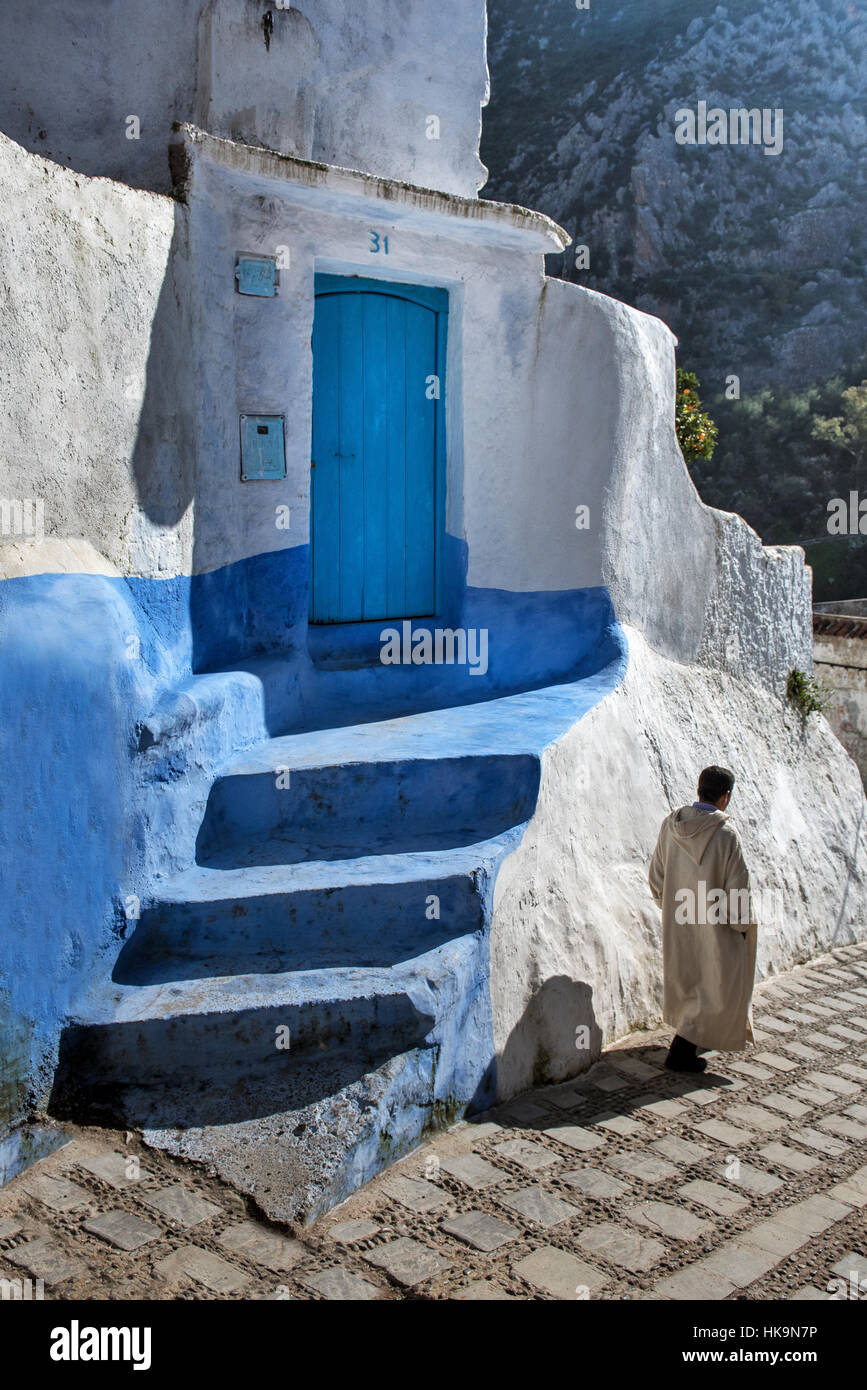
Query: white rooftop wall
x,y
345,84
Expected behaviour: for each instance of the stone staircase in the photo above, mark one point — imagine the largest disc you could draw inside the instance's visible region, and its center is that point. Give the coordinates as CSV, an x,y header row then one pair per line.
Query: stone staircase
x,y
326,949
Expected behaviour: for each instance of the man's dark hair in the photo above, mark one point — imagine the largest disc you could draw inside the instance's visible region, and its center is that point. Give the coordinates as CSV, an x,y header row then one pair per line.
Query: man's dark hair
x,y
714,782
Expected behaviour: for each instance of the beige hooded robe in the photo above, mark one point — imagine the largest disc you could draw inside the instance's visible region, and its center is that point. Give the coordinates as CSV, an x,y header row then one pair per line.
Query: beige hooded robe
x,y
699,879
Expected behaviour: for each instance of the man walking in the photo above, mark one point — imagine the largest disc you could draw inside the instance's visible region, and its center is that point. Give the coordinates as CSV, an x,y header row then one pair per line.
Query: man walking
x,y
699,879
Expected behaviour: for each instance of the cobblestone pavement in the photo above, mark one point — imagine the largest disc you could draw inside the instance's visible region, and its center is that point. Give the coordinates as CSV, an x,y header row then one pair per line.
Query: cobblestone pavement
x,y
630,1182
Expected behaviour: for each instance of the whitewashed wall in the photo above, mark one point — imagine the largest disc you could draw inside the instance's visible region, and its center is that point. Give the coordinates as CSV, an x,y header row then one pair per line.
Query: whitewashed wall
x,y
127,372
576,938
348,84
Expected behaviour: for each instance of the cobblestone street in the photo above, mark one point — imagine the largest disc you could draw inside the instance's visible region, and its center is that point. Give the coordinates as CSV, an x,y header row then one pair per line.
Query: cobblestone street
x,y
631,1182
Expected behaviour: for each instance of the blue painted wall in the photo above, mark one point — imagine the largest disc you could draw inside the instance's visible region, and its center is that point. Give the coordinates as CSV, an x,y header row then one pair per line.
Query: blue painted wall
x,y
86,821
70,828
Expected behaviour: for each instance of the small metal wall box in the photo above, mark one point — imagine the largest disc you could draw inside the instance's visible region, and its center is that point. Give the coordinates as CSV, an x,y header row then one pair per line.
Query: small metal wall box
x,y
257,275
263,451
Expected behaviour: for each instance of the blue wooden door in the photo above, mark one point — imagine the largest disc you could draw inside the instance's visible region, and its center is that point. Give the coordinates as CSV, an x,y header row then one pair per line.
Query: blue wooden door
x,y
377,458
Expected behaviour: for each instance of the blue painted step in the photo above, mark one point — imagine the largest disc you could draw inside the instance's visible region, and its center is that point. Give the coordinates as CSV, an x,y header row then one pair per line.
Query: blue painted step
x,y
388,1008
275,807
162,1048
317,916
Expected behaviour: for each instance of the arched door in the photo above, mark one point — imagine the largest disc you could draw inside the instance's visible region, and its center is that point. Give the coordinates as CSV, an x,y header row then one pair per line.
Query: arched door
x,y
377,461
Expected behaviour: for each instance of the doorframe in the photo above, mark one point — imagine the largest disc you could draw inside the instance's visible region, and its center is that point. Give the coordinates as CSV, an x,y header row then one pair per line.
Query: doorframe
x,y
435,298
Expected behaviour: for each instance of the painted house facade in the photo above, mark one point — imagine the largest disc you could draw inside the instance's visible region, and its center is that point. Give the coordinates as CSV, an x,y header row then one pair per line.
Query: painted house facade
x,y
353,645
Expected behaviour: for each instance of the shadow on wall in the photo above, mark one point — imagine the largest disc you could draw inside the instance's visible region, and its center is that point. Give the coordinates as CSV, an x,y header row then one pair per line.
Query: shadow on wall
x,y
242,610
557,1037
250,608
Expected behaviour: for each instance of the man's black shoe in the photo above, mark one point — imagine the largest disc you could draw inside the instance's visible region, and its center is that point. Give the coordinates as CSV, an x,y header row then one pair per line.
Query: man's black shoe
x,y
685,1062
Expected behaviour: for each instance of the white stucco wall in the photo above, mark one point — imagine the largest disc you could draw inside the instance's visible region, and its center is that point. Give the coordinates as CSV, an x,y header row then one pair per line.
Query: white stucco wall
x,y
557,397
92,393
576,938
257,354
127,358
345,84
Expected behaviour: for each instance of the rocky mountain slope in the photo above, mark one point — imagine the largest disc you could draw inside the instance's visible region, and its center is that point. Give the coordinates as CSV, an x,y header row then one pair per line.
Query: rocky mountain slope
x,y
754,259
